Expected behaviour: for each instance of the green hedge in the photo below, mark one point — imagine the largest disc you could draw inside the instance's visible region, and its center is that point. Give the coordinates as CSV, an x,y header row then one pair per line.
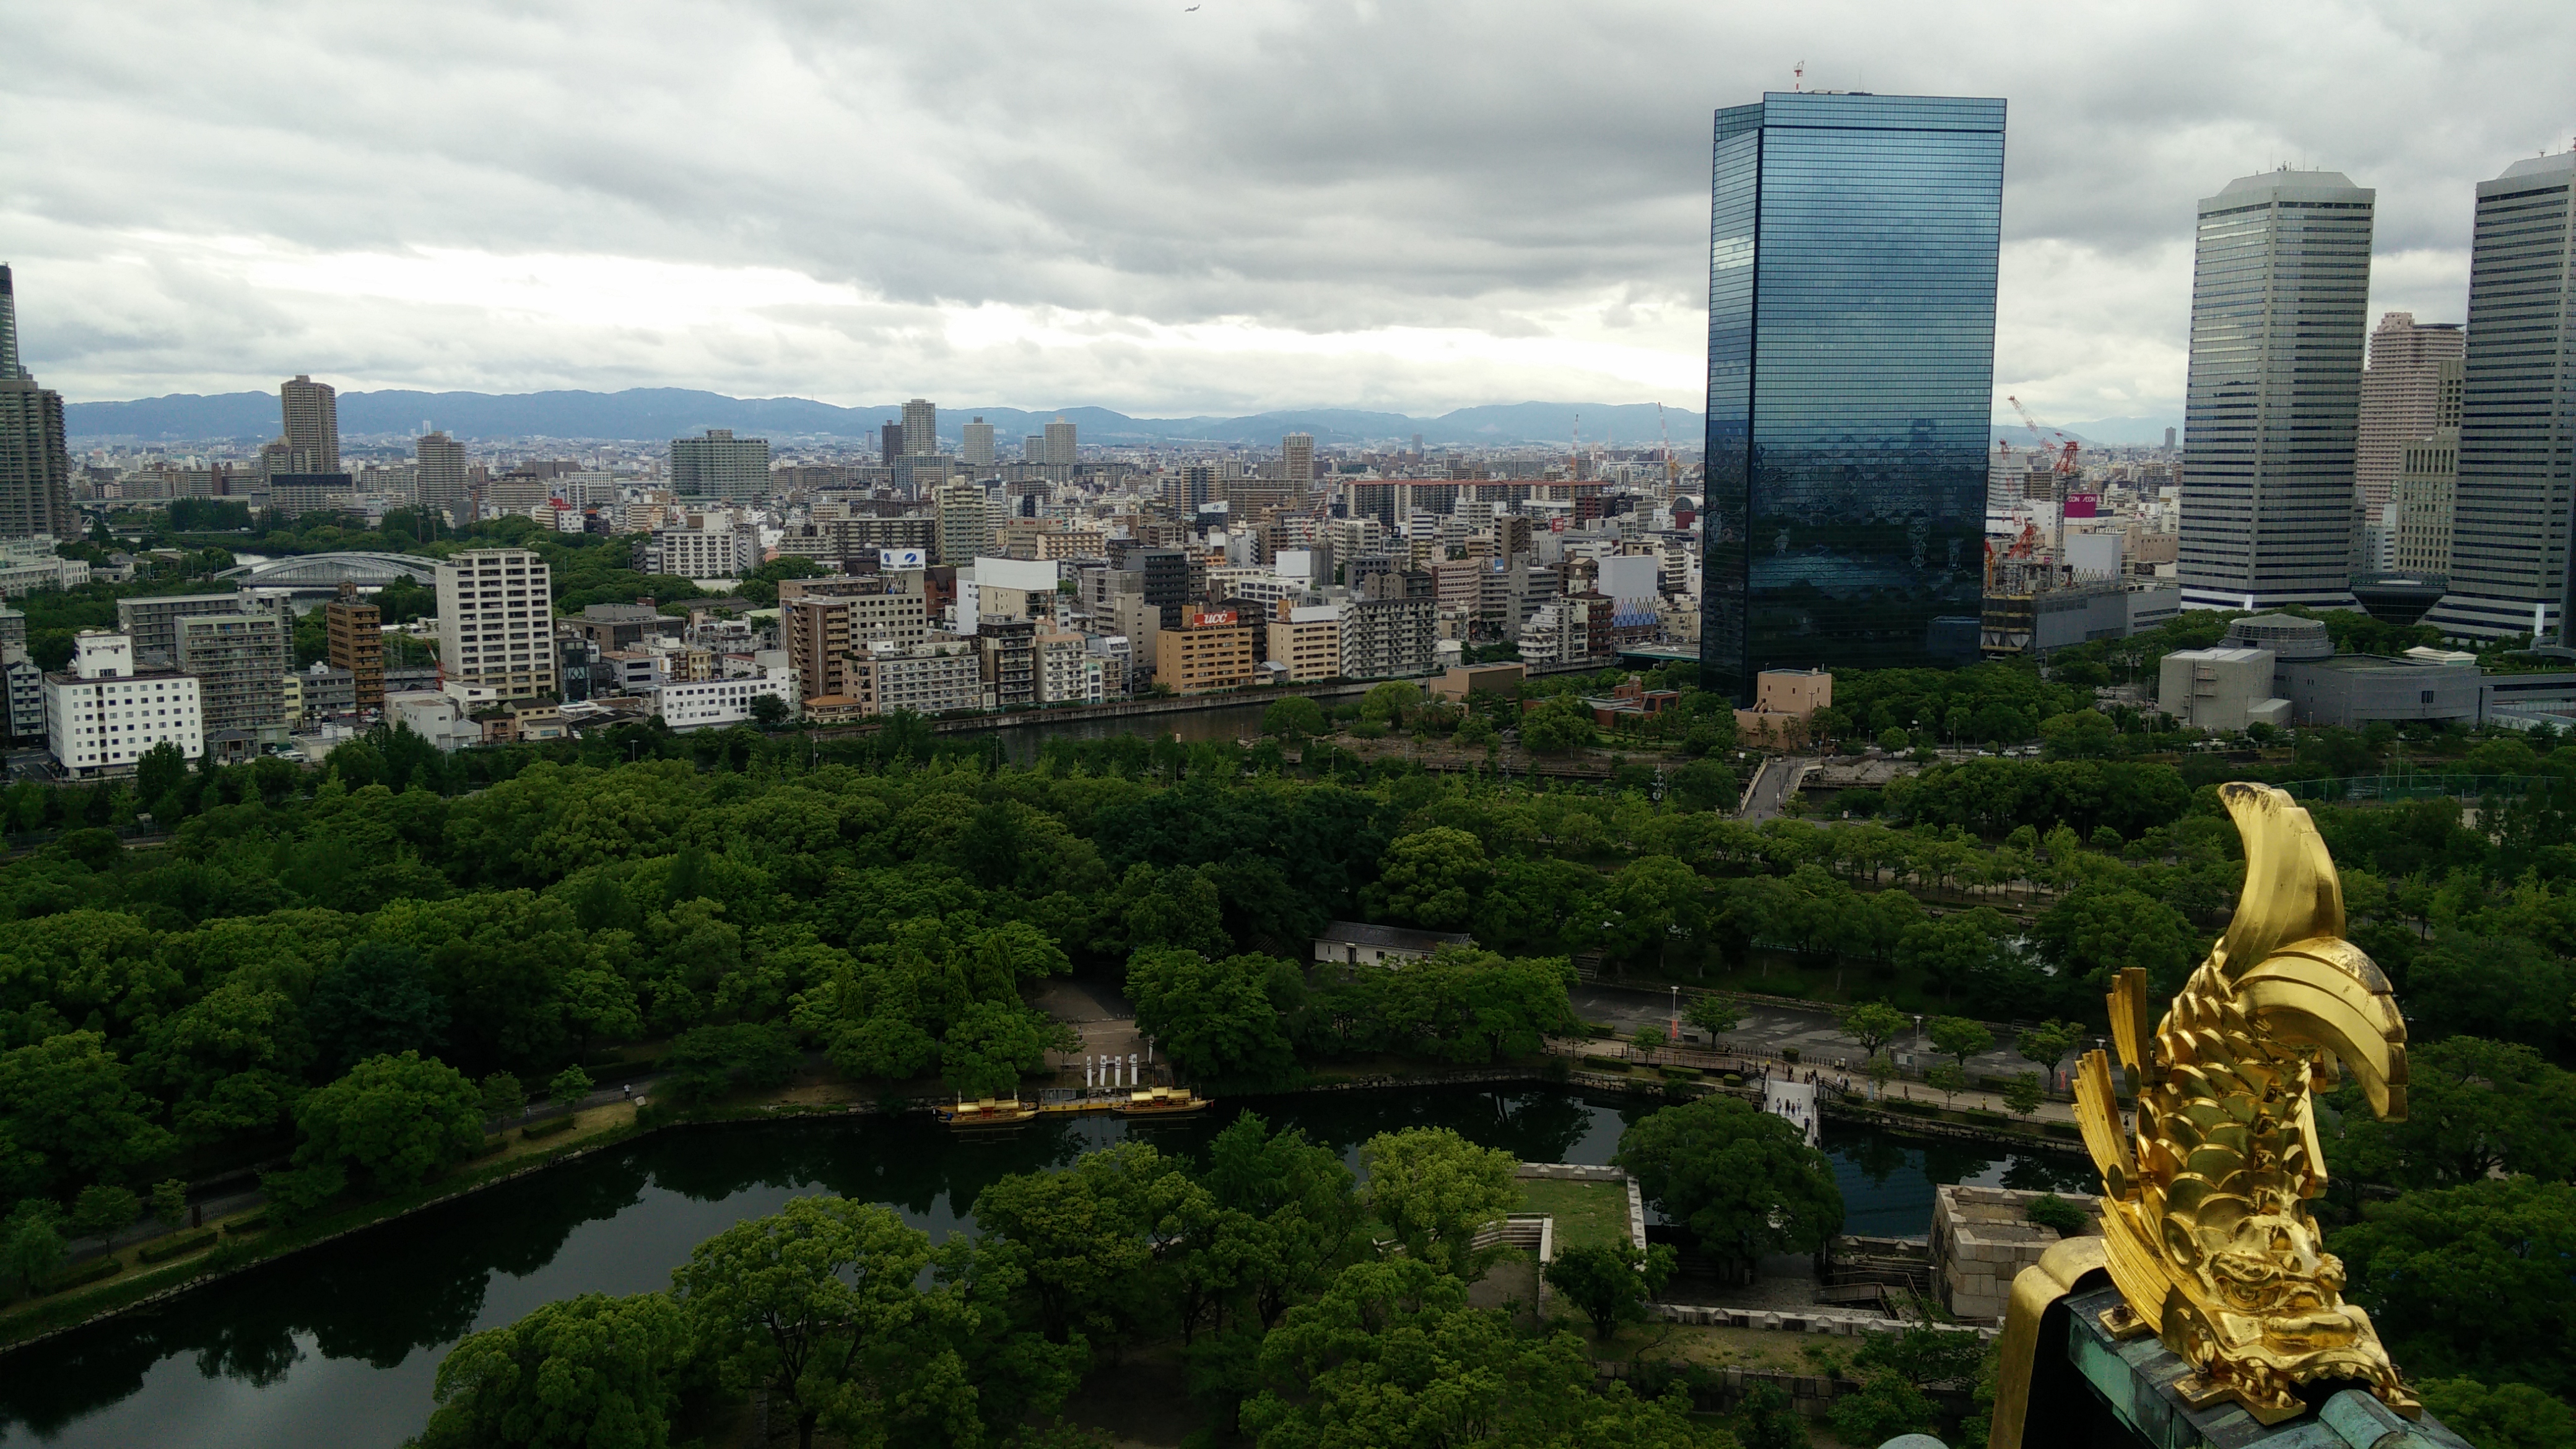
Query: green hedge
x,y
547,1128
250,1224
80,1273
1606,1064
177,1245
490,1145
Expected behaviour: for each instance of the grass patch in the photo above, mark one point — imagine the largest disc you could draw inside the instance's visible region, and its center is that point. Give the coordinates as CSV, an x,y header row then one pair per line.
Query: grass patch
x,y
547,1128
1588,1214
175,1246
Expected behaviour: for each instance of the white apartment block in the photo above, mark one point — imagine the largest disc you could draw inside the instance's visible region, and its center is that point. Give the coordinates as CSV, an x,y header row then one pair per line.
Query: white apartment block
x,y
101,715
712,548
923,679
1068,672
496,622
715,703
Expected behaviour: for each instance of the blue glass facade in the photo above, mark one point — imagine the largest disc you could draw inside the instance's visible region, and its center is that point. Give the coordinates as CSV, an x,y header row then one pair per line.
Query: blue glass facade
x,y
1851,347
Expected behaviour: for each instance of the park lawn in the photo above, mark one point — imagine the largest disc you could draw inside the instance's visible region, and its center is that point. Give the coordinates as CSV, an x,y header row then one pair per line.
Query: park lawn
x,y
1588,1214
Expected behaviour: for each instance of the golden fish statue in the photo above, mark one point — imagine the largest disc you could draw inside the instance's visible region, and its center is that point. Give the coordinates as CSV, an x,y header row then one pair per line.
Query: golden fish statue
x,y
2205,1226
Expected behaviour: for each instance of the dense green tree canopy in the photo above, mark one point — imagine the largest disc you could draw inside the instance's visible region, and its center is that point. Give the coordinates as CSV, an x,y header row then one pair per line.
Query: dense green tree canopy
x,y
1746,1183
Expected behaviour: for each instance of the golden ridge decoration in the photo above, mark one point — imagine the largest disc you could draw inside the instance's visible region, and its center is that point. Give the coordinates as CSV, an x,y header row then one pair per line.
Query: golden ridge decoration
x,y
2206,1230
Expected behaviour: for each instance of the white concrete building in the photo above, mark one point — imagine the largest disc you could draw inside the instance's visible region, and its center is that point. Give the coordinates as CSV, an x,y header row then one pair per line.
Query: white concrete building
x,y
496,624
101,715
2222,690
716,703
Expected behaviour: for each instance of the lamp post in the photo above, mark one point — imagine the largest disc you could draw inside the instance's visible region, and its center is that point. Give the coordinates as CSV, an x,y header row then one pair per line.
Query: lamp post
x,y
1673,1025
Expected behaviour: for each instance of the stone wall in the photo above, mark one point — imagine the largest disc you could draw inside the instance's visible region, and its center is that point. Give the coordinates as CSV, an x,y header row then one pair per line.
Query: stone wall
x,y
1982,1237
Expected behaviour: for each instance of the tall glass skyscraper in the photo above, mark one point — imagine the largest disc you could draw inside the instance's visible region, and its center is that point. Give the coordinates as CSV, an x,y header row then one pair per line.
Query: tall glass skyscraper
x,y
1851,347
2516,496
2280,293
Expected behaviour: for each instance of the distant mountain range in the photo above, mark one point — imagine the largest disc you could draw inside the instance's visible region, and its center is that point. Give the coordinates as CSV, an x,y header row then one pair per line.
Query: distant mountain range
x,y
655,413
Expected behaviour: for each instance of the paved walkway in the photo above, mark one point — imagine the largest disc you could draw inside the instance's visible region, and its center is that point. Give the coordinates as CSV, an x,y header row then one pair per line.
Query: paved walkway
x,y
1772,1030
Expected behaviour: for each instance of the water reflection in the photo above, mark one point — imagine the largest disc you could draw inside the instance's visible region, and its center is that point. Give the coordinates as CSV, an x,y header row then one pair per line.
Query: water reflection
x,y
338,1345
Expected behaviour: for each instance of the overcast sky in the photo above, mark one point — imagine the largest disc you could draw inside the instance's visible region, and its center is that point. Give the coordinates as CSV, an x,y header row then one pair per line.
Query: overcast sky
x,y
1235,206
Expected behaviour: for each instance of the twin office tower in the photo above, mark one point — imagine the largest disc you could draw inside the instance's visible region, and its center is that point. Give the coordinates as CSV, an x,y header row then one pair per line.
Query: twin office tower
x,y
1852,259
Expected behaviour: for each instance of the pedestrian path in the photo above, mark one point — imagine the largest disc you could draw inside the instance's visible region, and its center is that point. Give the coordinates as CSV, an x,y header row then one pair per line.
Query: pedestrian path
x,y
1795,1103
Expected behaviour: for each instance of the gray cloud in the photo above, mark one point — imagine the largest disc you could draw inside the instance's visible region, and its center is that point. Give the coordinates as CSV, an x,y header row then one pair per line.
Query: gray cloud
x,y
1260,203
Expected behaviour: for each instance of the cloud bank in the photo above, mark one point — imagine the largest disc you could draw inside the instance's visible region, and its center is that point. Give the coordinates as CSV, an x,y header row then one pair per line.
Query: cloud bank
x,y
1255,204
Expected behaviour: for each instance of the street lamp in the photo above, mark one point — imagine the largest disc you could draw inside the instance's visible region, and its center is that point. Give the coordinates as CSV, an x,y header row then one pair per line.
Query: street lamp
x,y
1673,1026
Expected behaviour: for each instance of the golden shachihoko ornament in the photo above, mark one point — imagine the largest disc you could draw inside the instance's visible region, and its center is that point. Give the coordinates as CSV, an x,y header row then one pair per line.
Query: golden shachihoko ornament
x,y
2206,1230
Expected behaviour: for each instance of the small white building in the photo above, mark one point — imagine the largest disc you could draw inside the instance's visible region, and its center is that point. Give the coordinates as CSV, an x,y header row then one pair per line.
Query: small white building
x,y
102,715
716,703
1357,943
2222,690
435,716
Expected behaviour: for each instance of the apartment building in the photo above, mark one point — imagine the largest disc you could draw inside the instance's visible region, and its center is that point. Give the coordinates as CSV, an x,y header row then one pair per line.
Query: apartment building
x,y
833,619
103,714
1211,652
496,621
1306,640
240,663
354,638
926,679
1068,670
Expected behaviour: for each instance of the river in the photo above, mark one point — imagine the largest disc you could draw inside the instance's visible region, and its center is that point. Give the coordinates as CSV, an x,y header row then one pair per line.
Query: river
x,y
339,1345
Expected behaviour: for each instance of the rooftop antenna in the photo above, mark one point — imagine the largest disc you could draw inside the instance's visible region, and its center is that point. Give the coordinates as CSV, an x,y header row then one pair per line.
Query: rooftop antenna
x,y
1798,76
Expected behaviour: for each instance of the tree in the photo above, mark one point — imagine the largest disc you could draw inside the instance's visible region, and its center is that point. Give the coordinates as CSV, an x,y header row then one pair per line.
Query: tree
x,y
2047,1044
1432,878
1082,1237
1949,1079
992,1043
1649,1038
2473,1109
2096,931
31,1244
102,1211
1650,904
1432,1189
2471,1280
769,711
1768,1419
396,1119
1706,785
503,1096
2023,1094
170,1203
1714,1014
1885,1407
1745,1182
708,1061
1214,1019
2505,1416
1559,727
68,1100
1873,1024
157,774
1881,1070
811,1303
1610,1284
1959,1038
1294,717
1392,1357
378,1001
569,1087
1953,950
591,1372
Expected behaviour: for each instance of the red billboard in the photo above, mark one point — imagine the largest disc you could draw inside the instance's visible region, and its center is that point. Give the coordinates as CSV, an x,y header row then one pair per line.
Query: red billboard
x,y
1212,619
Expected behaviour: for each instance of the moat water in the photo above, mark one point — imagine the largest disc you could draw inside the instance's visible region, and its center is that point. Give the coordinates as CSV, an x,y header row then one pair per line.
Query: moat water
x,y
339,1345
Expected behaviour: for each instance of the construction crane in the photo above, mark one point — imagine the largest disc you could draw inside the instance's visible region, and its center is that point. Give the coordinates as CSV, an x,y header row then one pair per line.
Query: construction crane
x,y
2065,465
1672,470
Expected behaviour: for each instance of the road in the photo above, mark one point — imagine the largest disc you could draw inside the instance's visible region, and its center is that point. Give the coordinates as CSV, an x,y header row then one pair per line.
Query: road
x,y
1772,786
1774,1029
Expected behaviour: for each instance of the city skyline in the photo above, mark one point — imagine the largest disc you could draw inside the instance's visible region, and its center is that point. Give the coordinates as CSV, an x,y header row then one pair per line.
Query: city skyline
x,y
1232,242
